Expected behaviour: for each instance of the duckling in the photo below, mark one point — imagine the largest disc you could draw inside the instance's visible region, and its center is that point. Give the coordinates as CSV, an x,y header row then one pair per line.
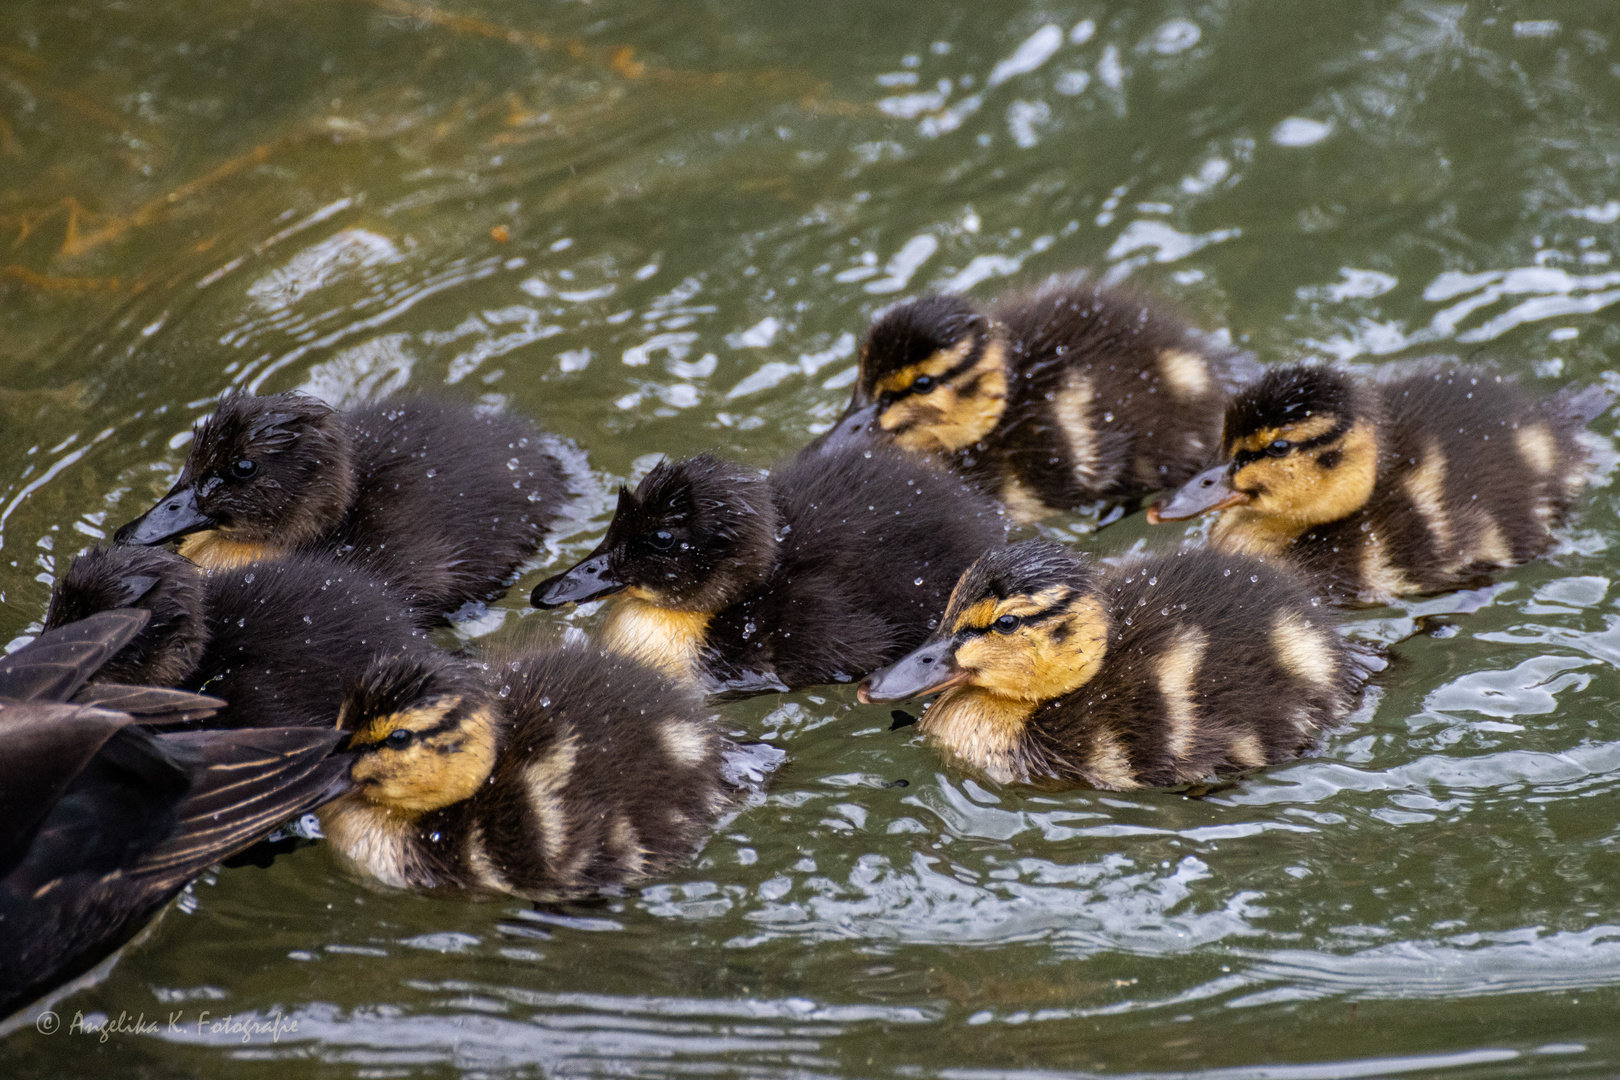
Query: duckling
x,y
1374,491
829,567
1163,669
442,501
277,640
553,773
103,821
1051,399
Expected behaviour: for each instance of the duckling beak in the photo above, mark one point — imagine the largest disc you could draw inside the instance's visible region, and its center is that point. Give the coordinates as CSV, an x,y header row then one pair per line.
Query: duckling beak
x,y
1205,493
855,427
176,516
590,580
931,668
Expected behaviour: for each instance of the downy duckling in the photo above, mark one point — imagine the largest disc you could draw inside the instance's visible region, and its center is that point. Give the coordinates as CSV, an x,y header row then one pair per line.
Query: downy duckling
x,y
831,566
1375,491
102,821
441,501
548,775
1162,670
277,640
1051,399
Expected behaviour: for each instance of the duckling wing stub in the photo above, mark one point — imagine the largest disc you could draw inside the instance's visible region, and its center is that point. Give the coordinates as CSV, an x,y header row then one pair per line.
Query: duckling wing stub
x,y
58,662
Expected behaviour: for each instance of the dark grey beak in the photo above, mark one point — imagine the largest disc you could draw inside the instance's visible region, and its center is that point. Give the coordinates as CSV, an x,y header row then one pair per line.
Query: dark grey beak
x,y
174,517
931,668
590,580
1205,493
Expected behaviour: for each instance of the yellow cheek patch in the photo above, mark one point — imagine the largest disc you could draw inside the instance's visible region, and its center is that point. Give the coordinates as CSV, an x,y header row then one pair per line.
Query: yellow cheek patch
x,y
954,414
1295,492
936,365
1303,431
1040,661
437,770
213,551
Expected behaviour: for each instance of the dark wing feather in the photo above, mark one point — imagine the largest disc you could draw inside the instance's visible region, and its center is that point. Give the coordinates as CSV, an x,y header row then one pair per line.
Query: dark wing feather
x,y
244,783
150,704
60,661
43,748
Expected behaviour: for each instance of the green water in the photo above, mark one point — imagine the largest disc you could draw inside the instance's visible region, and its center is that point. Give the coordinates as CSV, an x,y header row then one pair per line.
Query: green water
x,y
672,249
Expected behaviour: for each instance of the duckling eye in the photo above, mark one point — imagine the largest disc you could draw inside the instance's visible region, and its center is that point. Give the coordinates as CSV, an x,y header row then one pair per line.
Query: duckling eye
x,y
399,739
1279,447
244,469
922,384
662,540
1006,624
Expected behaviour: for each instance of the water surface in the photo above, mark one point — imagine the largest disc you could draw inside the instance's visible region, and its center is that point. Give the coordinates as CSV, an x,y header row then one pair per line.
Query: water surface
x,y
660,228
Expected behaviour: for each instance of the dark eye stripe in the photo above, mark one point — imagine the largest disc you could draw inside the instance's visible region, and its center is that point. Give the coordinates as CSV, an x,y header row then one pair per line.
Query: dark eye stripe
x,y
1245,457
452,719
973,357
1060,608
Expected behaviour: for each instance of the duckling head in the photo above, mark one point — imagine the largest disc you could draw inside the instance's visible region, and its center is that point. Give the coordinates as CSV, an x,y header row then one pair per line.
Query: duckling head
x,y
167,649
270,472
1301,450
1025,624
933,373
424,732
691,537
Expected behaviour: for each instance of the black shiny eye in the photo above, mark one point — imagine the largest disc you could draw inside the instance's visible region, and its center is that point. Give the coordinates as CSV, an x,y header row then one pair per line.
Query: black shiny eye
x,y
399,739
1007,624
662,540
1279,447
922,384
244,469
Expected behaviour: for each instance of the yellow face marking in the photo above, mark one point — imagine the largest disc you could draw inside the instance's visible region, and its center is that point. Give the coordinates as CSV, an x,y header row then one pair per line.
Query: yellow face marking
x,y
686,742
437,768
1023,505
1109,766
1296,492
1303,431
667,639
953,414
1072,407
936,365
546,779
1246,751
1043,659
1537,447
213,551
1304,650
1426,487
1178,677
1185,372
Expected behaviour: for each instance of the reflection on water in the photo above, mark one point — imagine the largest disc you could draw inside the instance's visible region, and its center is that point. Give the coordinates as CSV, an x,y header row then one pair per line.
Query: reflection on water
x,y
661,229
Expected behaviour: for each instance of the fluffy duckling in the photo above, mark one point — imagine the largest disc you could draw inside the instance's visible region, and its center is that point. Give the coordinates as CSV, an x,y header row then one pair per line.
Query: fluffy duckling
x,y
831,566
1051,400
103,821
1376,491
1162,670
548,775
440,500
277,640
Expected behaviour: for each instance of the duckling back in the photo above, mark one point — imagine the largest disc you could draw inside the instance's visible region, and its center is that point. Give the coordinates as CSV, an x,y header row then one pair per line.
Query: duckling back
x,y
1217,663
606,772
874,539
1474,474
1111,399
449,501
